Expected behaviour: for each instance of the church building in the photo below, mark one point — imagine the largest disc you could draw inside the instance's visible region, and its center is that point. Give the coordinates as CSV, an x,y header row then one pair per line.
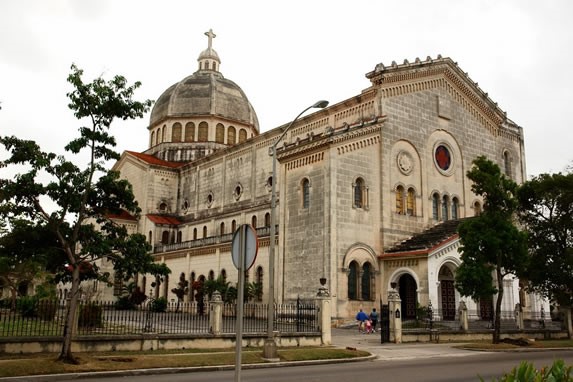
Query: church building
x,y
369,190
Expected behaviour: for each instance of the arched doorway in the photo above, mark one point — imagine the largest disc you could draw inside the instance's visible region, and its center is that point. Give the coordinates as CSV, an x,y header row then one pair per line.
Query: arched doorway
x,y
486,308
407,288
447,293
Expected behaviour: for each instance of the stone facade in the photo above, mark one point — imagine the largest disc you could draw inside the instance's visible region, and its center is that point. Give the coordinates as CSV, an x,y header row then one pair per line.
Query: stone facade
x,y
354,180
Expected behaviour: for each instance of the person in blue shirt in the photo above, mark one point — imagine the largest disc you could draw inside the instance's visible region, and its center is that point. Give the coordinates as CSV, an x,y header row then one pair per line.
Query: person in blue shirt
x,y
361,317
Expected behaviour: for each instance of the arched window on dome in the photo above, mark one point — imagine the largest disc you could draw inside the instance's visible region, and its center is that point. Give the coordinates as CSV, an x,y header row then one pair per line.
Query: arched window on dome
x,y
242,135
157,136
231,135
189,132
152,141
220,133
176,132
163,133
203,132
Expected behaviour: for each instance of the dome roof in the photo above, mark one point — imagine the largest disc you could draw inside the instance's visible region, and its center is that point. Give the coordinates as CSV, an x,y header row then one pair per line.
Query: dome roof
x,y
205,93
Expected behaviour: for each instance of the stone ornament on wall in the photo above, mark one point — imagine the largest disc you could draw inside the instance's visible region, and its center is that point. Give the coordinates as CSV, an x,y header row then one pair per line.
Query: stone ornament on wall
x,y
405,162
443,158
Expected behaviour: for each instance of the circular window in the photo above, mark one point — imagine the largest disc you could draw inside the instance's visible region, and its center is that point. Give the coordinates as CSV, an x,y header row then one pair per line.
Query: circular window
x,y
210,199
238,191
443,158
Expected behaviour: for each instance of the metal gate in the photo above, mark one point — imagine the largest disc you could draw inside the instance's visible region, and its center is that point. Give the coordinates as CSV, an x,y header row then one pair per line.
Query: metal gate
x,y
384,323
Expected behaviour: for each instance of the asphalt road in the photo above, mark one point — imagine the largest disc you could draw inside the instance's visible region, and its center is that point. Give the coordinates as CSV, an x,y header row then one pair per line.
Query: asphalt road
x,y
429,369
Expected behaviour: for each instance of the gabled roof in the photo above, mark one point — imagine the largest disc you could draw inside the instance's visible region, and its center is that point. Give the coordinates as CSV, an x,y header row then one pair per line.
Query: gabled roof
x,y
424,242
154,160
123,215
161,219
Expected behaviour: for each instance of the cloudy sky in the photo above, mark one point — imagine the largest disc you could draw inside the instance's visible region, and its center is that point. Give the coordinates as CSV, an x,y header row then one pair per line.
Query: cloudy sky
x,y
285,56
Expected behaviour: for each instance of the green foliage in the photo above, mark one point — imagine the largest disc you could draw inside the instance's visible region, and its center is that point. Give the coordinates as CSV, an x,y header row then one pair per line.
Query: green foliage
x,y
182,288
27,306
90,316
159,305
546,210
526,372
490,243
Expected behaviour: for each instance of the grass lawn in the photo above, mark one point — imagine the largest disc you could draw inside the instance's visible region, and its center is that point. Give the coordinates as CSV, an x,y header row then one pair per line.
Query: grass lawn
x,y
537,344
13,365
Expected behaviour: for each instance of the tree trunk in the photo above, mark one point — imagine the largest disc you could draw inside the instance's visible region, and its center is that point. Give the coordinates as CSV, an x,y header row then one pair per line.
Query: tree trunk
x,y
66,355
497,323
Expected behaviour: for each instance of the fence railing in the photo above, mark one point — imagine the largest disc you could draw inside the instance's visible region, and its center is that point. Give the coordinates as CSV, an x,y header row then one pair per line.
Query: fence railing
x,y
47,318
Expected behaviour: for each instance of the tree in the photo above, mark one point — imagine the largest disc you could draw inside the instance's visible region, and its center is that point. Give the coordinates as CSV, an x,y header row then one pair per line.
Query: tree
x,y
546,210
490,243
82,199
26,253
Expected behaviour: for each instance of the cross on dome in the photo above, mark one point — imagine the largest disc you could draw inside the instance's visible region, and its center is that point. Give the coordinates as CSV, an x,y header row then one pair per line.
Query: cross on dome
x,y
211,36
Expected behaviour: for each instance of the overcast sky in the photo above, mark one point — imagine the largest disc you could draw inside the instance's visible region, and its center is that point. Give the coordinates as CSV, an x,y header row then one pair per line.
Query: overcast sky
x,y
285,56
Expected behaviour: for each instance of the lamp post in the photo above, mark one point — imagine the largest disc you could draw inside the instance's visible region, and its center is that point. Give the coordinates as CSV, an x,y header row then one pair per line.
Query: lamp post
x,y
270,350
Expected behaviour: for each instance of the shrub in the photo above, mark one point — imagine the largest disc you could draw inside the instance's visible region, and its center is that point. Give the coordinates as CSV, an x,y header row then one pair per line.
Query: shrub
x,y
27,306
159,305
90,316
558,372
124,303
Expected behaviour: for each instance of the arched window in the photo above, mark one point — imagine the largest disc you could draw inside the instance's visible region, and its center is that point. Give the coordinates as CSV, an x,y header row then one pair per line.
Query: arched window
x,y
233,226
411,202
222,228
224,275
455,208
445,208
152,138
211,275
507,164
231,132
163,207
435,206
359,193
165,237
267,219
189,132
220,133
176,132
179,236
305,193
203,132
366,282
157,136
150,237
477,209
254,221
353,281
204,231
400,200
163,134
194,233
242,135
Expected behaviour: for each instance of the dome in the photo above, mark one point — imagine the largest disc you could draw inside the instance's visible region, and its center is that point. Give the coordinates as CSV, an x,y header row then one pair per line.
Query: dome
x,y
205,93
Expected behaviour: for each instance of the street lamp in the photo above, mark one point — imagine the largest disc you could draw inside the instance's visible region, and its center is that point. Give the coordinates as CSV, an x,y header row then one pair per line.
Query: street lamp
x,y
270,349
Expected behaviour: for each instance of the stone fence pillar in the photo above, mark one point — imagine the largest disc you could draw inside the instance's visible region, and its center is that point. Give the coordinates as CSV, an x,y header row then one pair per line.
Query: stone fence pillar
x,y
324,318
216,313
518,312
463,313
395,307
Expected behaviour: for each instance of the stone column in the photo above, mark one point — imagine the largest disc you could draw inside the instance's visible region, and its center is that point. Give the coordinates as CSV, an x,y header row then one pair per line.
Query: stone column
x,y
518,312
216,313
395,307
463,311
324,318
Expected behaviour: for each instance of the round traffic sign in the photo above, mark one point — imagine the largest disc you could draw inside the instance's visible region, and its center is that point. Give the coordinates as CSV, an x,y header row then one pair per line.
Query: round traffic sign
x,y
250,245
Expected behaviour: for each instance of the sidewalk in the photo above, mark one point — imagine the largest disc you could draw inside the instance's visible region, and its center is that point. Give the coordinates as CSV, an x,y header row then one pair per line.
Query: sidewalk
x,y
390,351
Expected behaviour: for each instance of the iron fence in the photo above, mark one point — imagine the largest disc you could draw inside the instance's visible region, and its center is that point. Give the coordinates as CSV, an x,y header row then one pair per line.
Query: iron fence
x,y
47,318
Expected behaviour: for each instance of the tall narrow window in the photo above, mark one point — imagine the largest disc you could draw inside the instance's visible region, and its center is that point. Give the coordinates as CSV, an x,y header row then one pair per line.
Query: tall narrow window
x,y
233,226
366,282
359,193
194,233
242,135
435,206
507,164
189,132
254,221
222,230
477,209
455,208
204,231
231,132
220,133
165,237
353,281
259,285
411,202
203,132
305,193
267,219
176,132
179,237
445,206
400,200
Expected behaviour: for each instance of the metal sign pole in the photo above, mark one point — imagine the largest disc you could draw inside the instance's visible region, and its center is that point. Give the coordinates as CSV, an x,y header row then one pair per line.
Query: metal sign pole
x,y
240,299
